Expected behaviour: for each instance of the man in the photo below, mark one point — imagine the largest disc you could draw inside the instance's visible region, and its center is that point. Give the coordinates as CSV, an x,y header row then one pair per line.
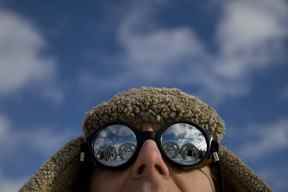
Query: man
x,y
147,139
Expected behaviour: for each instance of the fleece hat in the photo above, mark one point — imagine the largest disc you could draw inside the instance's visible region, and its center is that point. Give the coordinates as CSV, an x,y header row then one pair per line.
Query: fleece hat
x,y
137,106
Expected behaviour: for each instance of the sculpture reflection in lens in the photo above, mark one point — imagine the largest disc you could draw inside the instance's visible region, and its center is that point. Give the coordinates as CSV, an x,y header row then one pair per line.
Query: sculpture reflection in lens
x,y
184,144
114,145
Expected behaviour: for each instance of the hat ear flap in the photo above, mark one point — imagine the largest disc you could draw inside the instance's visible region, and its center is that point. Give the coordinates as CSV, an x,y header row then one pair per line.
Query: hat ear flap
x,y
237,176
60,172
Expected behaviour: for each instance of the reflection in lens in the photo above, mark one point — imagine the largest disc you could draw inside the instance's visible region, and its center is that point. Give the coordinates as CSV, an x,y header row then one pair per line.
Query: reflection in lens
x,y
183,143
189,151
171,149
126,150
114,145
107,153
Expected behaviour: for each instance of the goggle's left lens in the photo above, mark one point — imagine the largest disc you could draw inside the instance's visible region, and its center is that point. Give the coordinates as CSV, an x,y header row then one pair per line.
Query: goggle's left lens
x,y
114,145
184,144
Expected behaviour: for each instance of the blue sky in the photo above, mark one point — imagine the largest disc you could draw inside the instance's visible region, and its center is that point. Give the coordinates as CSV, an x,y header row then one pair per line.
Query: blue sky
x,y
60,58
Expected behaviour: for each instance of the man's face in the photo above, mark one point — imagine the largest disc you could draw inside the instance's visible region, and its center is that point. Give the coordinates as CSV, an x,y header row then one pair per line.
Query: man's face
x,y
151,173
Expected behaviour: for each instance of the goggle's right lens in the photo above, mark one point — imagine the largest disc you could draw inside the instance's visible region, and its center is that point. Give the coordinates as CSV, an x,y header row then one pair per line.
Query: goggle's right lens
x,y
114,145
184,144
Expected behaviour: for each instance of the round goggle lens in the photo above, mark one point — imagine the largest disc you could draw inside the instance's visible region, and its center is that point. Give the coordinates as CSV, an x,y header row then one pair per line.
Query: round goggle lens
x,y
114,145
184,144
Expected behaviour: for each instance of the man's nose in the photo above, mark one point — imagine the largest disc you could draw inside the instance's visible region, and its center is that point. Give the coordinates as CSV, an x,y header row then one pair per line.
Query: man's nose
x,y
149,162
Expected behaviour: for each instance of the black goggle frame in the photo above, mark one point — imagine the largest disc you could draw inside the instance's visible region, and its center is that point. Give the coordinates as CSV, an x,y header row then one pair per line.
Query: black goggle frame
x,y
142,136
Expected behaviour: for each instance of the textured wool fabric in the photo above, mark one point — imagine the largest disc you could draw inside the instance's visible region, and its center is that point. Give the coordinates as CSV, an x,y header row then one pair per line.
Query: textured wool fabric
x,y
135,107
154,105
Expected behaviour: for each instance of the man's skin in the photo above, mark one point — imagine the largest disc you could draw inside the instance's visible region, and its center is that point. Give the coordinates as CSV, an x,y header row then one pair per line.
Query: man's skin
x,y
150,173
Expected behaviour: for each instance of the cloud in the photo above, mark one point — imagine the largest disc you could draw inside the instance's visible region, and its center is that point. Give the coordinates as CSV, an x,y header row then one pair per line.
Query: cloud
x,y
53,94
10,185
157,53
44,140
22,55
4,126
249,37
284,94
275,177
267,138
7,185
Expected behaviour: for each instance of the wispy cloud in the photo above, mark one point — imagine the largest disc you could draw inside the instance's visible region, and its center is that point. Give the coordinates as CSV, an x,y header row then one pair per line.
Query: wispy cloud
x,y
53,94
4,126
153,56
22,55
284,94
265,138
10,185
276,177
42,141
249,37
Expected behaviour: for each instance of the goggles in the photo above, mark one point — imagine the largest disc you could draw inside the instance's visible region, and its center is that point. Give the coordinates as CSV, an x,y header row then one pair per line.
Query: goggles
x,y
183,144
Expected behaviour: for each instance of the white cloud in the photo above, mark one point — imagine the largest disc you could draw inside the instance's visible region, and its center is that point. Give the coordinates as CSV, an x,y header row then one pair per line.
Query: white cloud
x,y
276,178
9,184
22,58
284,94
43,140
249,36
246,23
267,138
54,94
150,48
4,126
151,56
6,185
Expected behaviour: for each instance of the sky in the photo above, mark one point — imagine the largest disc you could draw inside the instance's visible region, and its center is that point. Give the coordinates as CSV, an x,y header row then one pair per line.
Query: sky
x,y
60,58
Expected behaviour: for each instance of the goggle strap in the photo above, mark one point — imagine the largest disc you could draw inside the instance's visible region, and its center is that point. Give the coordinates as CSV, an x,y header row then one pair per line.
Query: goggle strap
x,y
219,176
216,159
